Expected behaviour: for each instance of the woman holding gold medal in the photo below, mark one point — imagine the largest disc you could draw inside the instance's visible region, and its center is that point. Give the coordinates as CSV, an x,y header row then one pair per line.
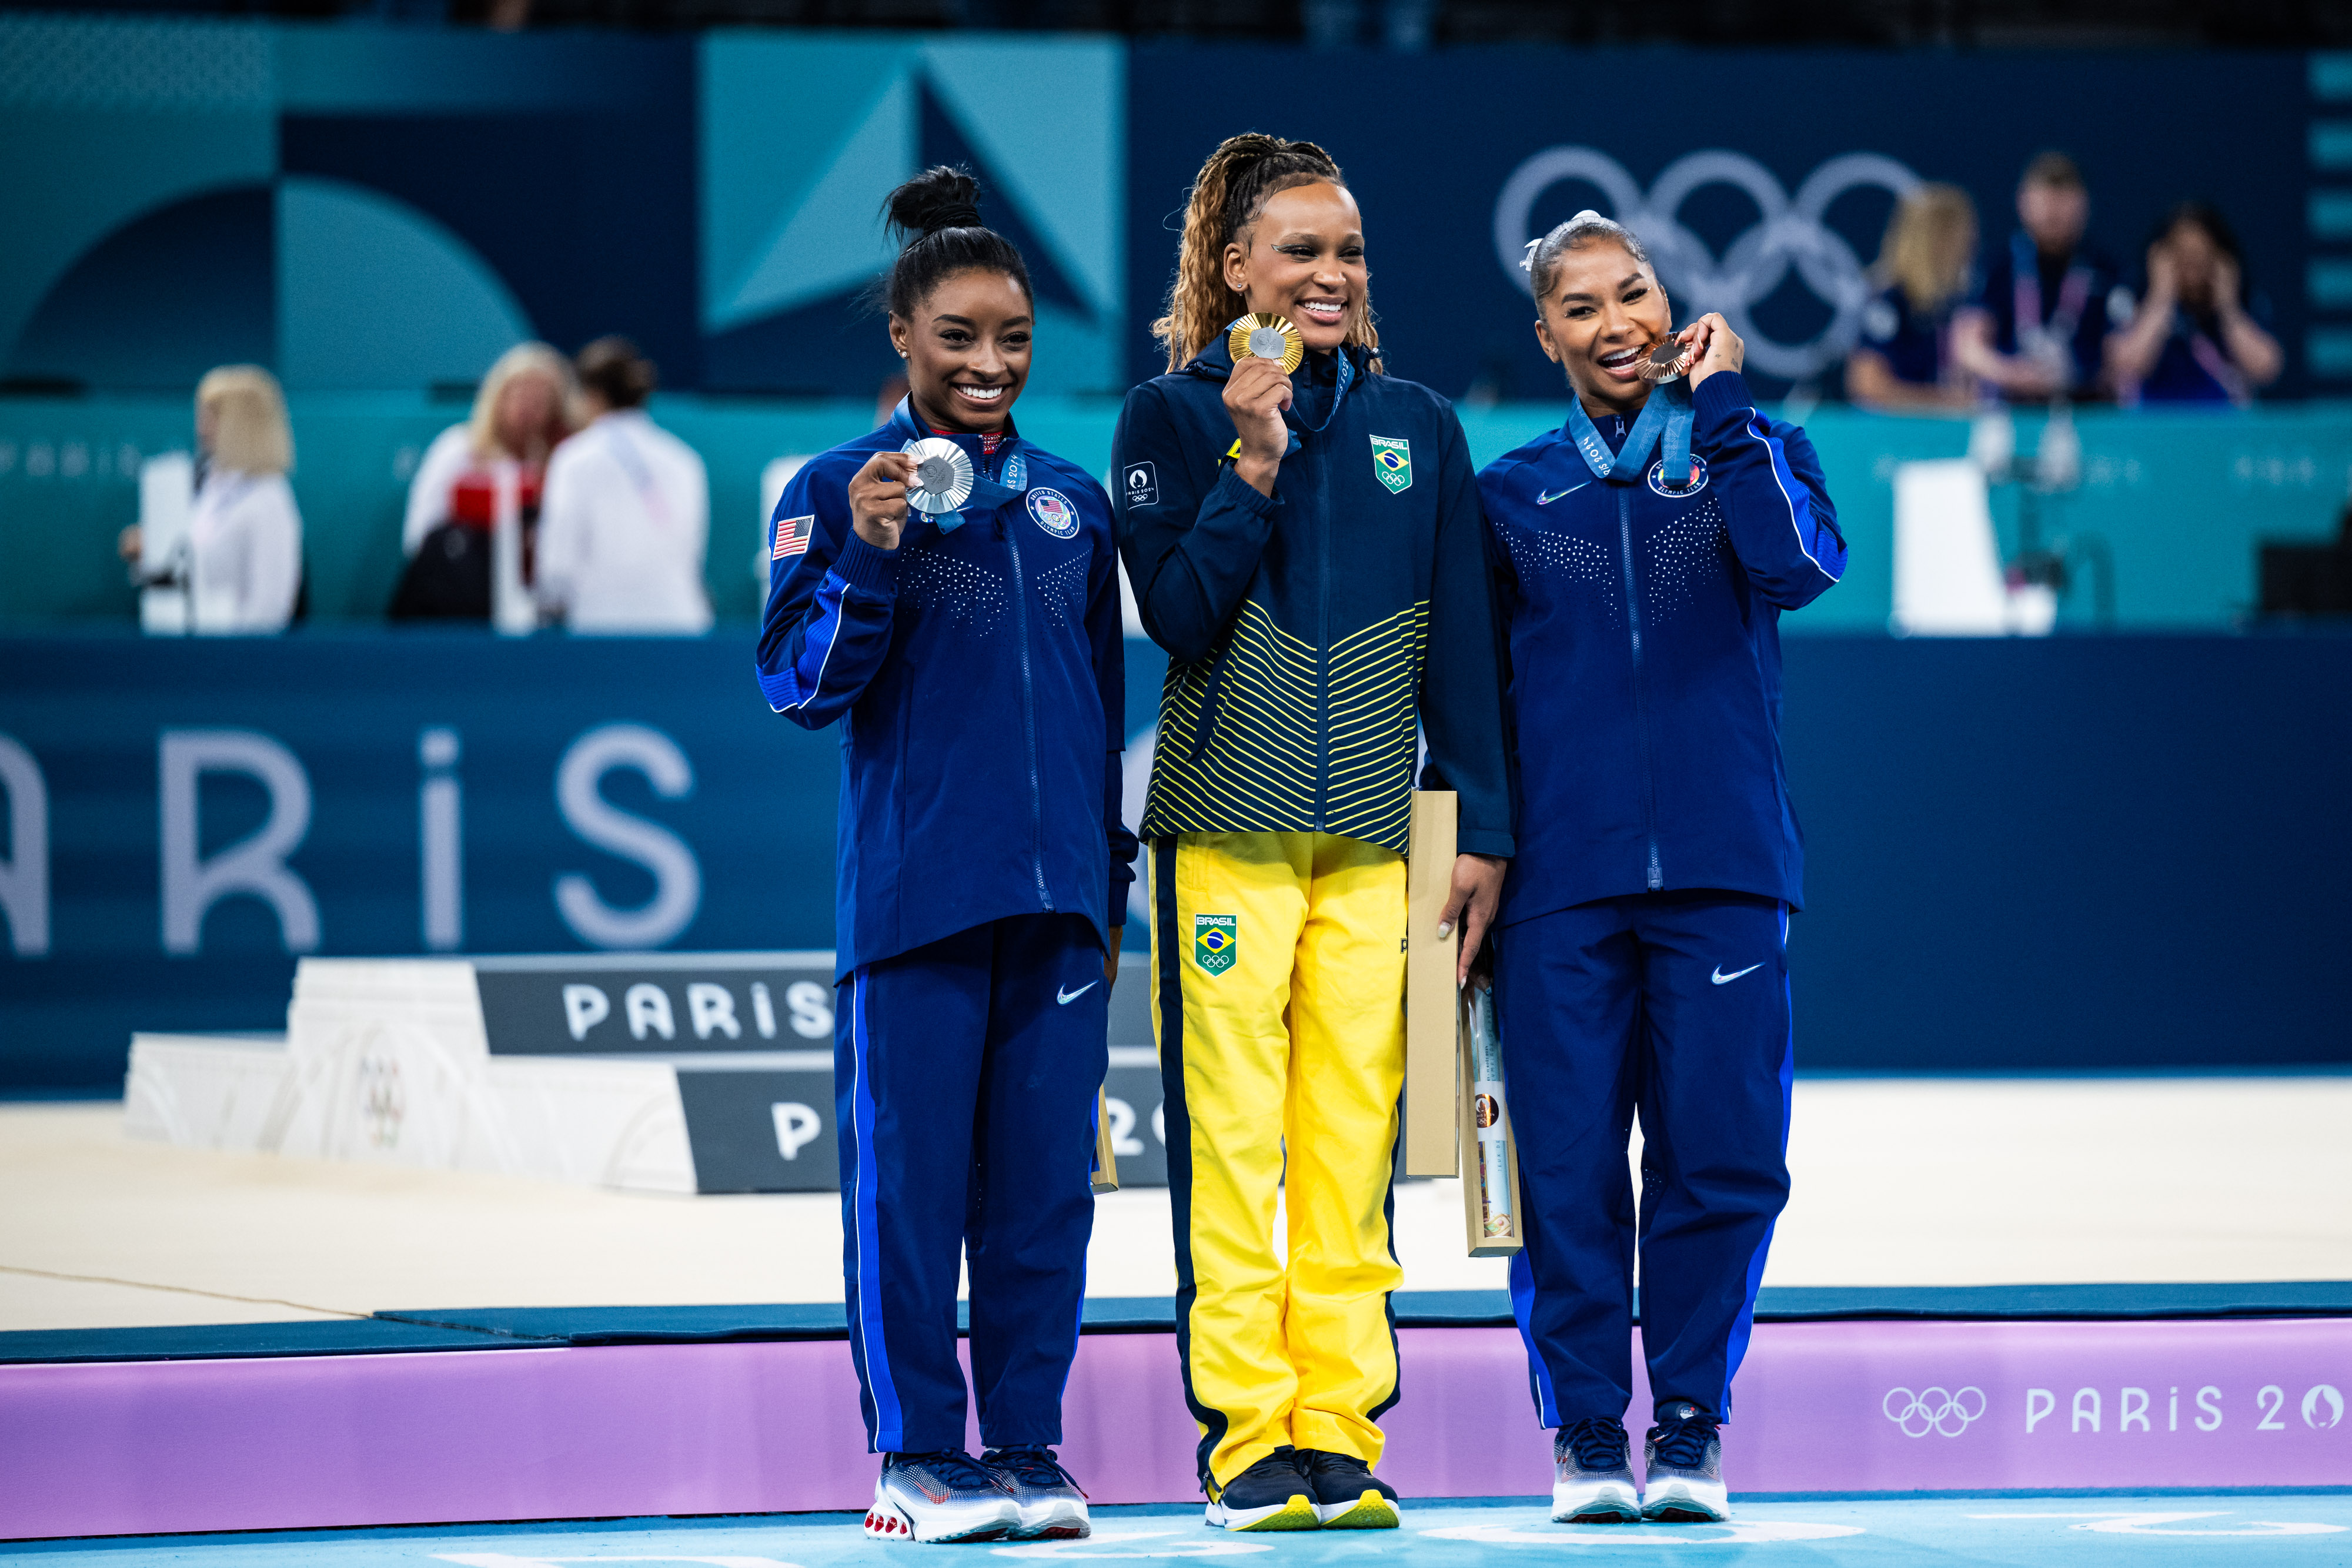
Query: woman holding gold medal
x,y
1645,553
1303,536
949,592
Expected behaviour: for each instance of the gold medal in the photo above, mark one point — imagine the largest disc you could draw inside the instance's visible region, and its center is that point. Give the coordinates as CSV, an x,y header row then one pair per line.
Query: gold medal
x,y
1267,336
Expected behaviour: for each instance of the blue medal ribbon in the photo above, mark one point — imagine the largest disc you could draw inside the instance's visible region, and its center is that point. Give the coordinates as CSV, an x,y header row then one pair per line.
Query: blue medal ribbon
x,y
1666,419
1347,377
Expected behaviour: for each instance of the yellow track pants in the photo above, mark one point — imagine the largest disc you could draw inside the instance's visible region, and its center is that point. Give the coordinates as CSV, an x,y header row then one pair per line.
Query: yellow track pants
x,y
1277,992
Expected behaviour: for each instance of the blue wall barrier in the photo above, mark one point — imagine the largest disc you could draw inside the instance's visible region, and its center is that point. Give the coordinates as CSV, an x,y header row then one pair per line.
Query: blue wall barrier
x,y
2072,852
2178,499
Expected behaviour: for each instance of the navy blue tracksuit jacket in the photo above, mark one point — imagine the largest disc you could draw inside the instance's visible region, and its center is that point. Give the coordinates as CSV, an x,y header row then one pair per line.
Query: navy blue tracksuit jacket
x,y
978,676
1640,958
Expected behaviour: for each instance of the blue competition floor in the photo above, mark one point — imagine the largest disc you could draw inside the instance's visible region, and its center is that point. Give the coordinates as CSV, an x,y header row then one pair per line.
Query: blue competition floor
x,y
2059,1532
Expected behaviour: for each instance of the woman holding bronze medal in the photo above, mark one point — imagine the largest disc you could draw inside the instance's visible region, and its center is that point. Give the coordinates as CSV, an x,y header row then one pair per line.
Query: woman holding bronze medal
x,y
1644,554
1302,533
950,593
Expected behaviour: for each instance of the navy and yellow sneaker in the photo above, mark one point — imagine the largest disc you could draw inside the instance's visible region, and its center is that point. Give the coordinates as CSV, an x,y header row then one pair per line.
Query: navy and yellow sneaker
x,y
1271,1494
1053,1506
1683,1455
1592,1474
1347,1496
946,1495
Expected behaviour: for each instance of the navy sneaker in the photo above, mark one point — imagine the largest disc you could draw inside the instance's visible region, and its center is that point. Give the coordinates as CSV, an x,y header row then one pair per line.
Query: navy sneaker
x,y
1053,1506
1592,1474
1683,1455
946,1495
1347,1495
1271,1494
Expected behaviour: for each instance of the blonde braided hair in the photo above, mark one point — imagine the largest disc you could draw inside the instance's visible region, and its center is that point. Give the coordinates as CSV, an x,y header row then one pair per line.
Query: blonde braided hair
x,y
1226,198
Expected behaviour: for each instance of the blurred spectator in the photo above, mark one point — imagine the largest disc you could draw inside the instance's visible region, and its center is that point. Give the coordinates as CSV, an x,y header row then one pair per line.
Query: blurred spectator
x,y
1905,359
628,511
475,497
2195,336
241,560
2037,327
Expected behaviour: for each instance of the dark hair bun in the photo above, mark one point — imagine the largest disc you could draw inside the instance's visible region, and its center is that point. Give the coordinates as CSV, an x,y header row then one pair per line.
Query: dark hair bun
x,y
936,216
613,370
938,198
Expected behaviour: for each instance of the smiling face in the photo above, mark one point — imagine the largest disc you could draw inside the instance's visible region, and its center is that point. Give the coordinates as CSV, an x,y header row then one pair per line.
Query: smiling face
x,y
967,348
1304,258
1602,314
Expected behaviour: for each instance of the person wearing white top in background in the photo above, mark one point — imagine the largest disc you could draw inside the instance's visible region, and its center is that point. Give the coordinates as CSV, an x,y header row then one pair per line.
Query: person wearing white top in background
x,y
484,476
240,562
627,514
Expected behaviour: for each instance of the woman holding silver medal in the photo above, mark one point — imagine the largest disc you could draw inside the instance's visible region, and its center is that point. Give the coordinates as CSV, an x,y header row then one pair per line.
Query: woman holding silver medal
x,y
1643,555
950,593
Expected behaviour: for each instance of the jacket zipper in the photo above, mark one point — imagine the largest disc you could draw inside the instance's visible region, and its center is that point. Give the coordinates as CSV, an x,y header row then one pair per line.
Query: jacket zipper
x,y
1323,630
1655,874
1028,707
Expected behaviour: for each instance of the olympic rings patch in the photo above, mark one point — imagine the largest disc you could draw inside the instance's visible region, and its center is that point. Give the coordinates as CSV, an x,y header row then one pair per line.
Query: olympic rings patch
x,y
1933,1410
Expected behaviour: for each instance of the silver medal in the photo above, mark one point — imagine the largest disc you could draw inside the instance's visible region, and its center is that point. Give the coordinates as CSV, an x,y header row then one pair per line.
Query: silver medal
x,y
942,478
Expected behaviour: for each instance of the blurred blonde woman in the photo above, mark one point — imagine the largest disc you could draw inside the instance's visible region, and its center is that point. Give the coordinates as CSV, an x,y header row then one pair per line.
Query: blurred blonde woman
x,y
474,502
1905,359
240,560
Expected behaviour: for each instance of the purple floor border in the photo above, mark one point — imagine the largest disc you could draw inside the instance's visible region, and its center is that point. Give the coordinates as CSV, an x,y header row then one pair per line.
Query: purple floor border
x,y
136,1447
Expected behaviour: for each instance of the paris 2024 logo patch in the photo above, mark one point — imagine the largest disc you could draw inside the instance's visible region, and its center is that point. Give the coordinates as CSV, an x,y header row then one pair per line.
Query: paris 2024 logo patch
x,y
1216,942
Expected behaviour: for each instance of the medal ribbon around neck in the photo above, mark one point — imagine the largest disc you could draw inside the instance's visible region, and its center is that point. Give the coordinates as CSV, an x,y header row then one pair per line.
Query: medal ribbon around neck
x,y
1666,420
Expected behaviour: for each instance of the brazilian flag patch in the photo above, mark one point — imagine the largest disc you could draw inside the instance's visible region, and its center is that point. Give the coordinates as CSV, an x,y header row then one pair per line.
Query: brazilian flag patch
x,y
1216,942
1392,463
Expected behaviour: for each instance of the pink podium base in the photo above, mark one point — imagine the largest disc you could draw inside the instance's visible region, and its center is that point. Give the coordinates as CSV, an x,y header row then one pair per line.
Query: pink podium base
x,y
1855,1408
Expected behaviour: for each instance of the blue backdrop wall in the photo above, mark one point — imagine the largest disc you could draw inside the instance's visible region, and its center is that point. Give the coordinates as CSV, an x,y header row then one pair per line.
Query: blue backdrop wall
x,y
382,208
2102,853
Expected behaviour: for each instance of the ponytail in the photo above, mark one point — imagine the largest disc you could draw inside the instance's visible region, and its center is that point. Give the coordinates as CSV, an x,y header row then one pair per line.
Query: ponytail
x,y
1227,196
936,216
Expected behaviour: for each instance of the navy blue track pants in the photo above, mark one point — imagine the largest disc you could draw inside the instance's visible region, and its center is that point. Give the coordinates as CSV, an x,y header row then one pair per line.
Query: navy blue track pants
x,y
1676,1004
964,1081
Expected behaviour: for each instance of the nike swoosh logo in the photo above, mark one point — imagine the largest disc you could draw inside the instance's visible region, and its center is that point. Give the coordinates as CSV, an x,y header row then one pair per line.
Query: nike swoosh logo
x,y
1721,979
1067,997
1556,495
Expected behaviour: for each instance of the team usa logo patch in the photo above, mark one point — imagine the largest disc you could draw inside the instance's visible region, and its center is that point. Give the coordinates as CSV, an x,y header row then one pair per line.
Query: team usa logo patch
x,y
1392,463
1698,479
1053,513
792,537
1216,942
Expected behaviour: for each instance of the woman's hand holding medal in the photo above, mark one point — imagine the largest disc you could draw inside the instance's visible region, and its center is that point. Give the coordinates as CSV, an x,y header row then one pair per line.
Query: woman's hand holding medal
x,y
878,498
1705,346
1258,393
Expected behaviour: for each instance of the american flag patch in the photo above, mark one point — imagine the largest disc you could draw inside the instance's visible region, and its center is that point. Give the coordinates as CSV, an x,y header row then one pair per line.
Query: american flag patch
x,y
792,535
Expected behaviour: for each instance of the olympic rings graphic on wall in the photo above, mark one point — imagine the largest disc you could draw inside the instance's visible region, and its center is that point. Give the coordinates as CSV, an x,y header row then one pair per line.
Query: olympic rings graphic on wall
x,y
1932,1411
1789,234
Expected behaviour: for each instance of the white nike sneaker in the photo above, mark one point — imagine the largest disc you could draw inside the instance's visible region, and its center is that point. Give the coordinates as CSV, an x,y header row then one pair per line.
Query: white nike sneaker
x,y
1053,1507
942,1496
1592,1474
1683,1455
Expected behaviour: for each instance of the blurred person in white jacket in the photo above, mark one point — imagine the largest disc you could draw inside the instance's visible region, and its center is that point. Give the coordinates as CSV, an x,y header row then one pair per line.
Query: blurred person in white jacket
x,y
239,562
477,495
627,514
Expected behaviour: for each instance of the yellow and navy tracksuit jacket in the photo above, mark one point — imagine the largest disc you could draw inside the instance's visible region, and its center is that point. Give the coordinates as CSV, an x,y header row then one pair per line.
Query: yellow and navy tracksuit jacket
x,y
1315,636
